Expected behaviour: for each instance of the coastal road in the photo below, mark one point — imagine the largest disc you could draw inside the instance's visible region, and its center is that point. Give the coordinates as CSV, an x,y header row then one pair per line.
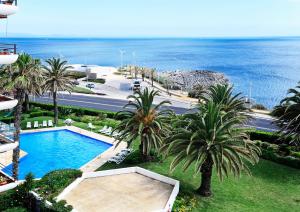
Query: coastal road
x,y
103,103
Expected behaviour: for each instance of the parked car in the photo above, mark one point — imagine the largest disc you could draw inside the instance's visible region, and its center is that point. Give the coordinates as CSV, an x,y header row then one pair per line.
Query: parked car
x,y
136,85
90,85
75,82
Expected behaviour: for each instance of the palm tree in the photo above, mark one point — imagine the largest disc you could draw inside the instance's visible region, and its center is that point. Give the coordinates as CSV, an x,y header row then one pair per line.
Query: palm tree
x,y
144,122
143,73
34,87
288,113
17,78
57,78
223,95
208,139
152,71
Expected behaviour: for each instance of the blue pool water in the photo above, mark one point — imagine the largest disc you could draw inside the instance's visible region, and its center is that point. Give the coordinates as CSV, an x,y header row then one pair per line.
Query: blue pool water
x,y
52,150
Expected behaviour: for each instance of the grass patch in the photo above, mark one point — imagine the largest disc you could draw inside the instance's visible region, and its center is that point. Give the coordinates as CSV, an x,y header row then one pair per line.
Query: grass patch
x,y
82,90
272,187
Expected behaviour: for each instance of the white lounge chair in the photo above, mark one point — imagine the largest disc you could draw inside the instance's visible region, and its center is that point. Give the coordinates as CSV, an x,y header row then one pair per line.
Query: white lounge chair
x,y
91,126
127,150
45,124
108,131
114,160
28,126
50,123
68,121
116,134
103,129
36,124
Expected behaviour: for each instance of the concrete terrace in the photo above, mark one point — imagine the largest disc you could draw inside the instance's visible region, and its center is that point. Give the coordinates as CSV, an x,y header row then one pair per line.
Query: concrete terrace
x,y
128,190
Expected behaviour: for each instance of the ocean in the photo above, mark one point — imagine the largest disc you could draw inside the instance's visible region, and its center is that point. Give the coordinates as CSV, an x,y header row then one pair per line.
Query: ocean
x,y
261,68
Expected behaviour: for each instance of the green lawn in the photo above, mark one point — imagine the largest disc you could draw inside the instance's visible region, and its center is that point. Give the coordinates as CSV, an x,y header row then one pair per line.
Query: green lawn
x,y
272,187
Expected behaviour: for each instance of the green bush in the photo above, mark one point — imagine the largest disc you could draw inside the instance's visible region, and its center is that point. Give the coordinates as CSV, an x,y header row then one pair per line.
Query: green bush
x,y
16,209
78,74
259,107
101,80
54,182
39,113
60,206
184,203
7,120
284,160
296,154
279,154
77,110
269,137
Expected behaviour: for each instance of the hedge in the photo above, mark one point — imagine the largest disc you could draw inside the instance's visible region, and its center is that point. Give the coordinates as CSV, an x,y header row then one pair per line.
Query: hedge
x,y
269,137
67,110
284,160
270,152
48,187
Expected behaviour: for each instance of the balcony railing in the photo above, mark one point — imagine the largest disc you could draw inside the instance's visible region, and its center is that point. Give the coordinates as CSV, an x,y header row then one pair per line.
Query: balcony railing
x,y
7,49
9,2
7,132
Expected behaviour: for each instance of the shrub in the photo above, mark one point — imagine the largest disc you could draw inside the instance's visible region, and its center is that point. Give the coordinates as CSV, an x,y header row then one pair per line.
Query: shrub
x,y
8,120
77,110
16,209
296,154
54,182
40,113
101,80
22,197
60,206
284,160
269,137
78,74
184,203
259,107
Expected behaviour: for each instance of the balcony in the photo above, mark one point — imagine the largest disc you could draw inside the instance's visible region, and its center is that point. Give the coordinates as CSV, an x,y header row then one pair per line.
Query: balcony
x,y
8,7
8,54
7,137
7,103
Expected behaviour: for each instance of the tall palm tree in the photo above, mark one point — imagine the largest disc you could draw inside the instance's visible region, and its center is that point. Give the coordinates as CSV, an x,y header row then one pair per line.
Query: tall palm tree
x,y
57,78
288,113
17,78
143,73
208,139
223,95
152,72
144,122
34,87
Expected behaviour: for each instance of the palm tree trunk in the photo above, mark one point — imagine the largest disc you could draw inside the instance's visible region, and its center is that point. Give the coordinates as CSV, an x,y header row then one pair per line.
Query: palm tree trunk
x,y
26,102
206,173
16,152
143,151
55,108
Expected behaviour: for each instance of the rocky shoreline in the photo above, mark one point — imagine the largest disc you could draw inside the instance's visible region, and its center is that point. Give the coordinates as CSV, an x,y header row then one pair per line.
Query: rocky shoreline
x,y
188,80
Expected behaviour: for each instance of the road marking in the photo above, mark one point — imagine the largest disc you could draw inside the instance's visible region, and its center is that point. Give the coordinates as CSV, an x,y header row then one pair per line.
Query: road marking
x,y
94,103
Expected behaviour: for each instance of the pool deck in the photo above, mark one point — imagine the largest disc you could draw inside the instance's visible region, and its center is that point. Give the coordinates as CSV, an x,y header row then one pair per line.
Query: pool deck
x,y
6,157
98,161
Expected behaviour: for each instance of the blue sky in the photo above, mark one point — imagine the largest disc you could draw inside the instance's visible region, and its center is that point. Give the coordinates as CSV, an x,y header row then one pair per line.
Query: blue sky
x,y
156,18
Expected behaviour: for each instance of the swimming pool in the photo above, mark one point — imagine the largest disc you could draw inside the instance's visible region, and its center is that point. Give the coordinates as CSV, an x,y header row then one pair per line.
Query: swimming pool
x,y
52,150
